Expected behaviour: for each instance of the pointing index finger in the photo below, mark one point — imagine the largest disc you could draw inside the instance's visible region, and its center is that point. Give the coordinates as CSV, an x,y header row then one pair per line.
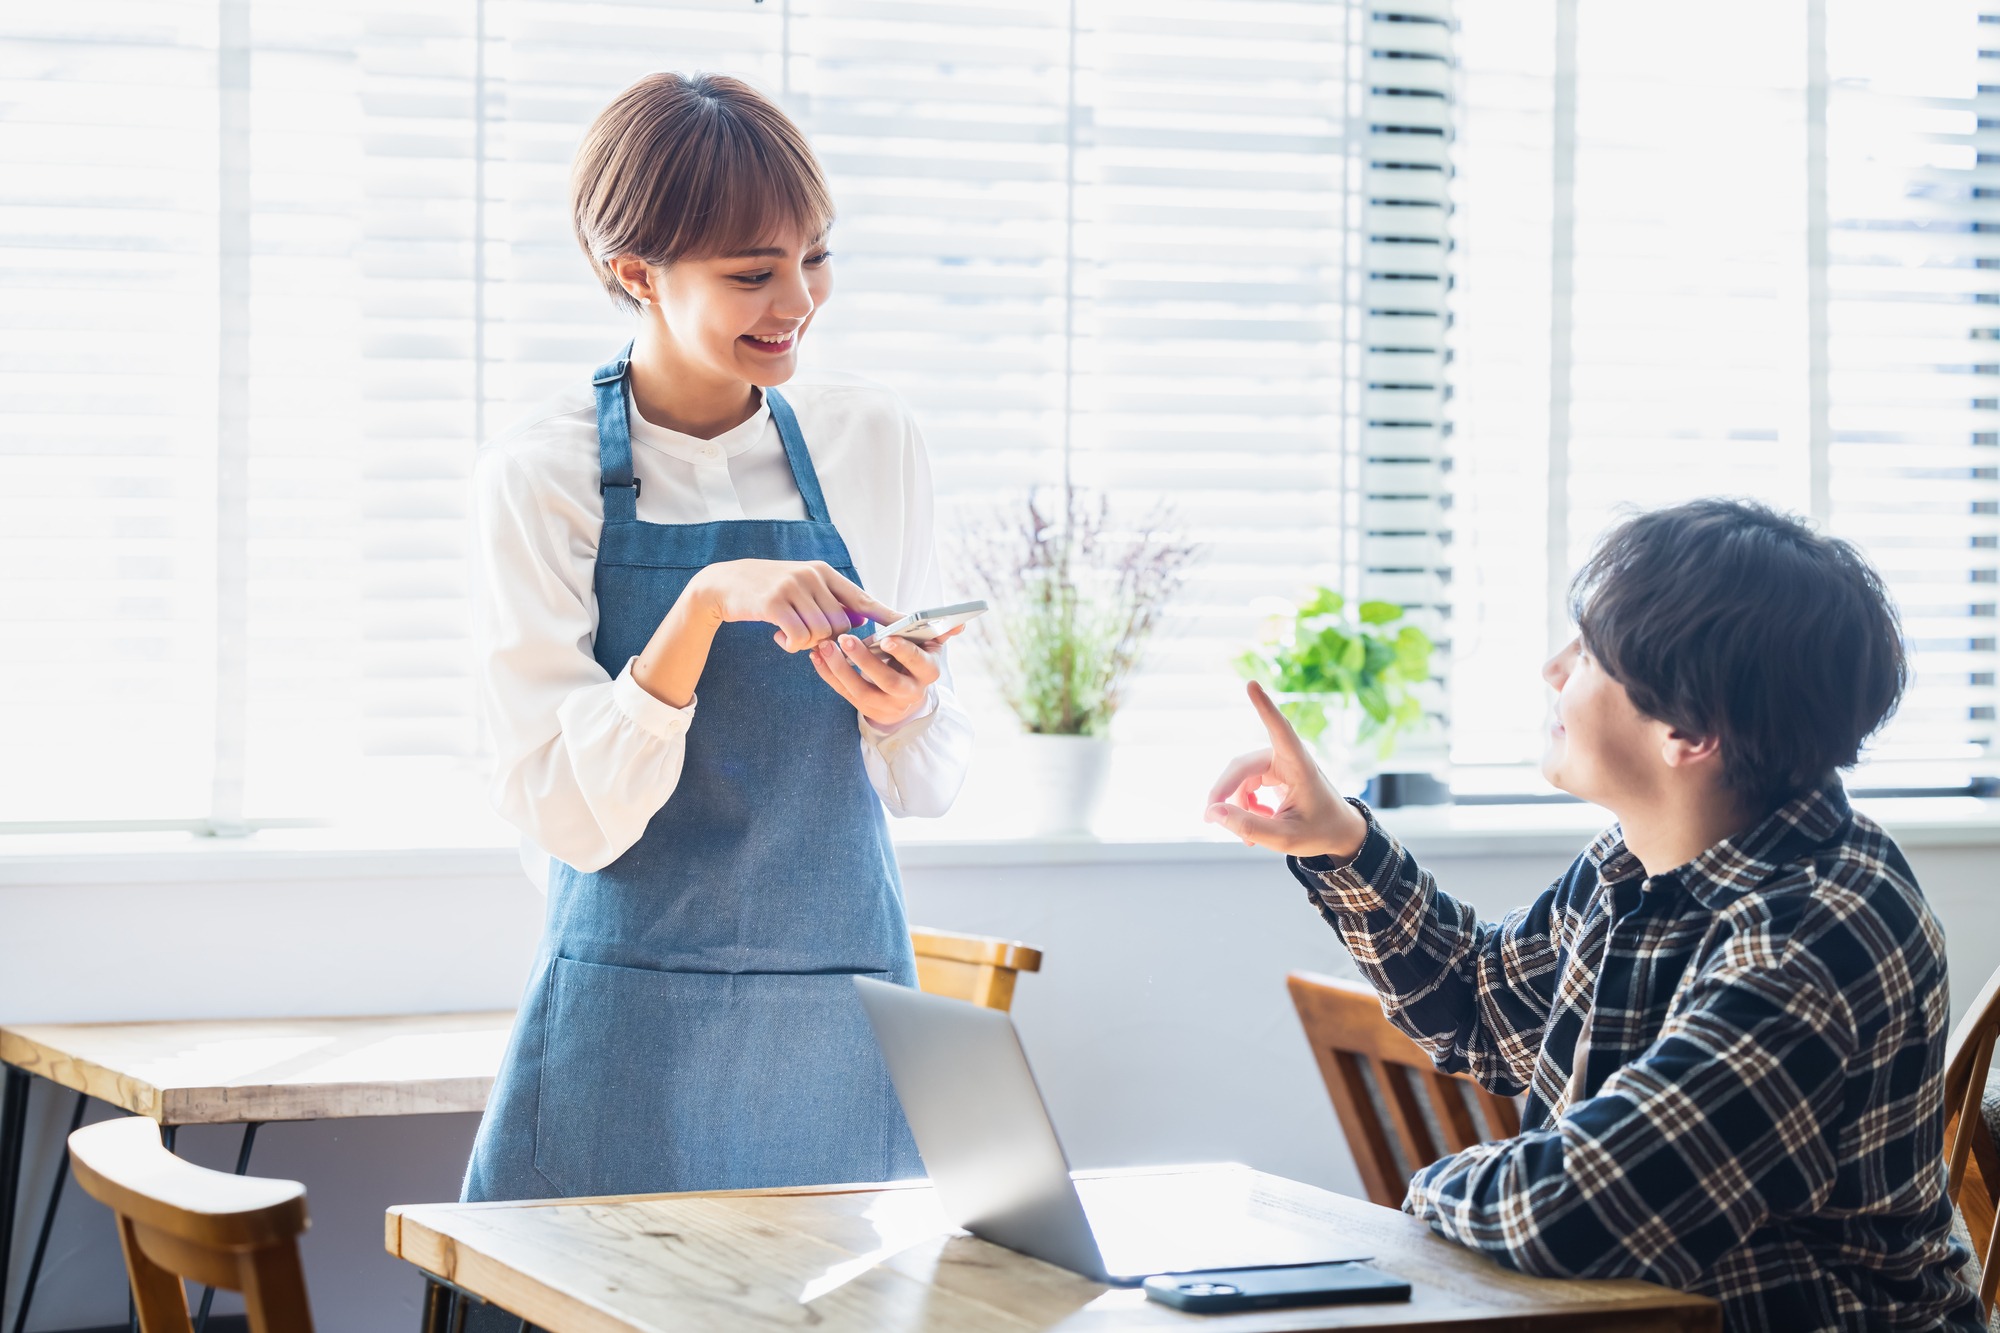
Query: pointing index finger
x,y
1283,738
855,598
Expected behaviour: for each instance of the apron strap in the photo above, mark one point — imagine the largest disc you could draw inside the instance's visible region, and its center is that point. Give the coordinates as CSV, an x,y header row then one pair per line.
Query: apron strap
x,y
614,441
803,474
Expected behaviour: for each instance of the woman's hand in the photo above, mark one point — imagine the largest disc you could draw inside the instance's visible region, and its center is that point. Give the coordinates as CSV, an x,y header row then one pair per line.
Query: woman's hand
x,y
888,686
808,601
1309,819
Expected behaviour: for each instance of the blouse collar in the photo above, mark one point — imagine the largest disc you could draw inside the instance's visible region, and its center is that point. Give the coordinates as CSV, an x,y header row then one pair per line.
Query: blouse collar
x,y
697,452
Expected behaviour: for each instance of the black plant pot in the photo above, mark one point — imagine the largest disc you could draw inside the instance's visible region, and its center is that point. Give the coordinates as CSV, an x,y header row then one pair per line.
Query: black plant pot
x,y
1386,791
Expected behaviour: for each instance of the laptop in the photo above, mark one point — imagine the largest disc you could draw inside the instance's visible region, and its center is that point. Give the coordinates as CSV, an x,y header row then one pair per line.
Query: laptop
x,y
1000,1173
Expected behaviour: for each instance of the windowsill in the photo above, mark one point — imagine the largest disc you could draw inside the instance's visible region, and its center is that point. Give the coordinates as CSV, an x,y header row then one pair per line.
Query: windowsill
x,y
299,855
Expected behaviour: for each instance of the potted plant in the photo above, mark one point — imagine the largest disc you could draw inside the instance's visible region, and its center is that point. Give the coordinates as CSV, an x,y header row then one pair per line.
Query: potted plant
x,y
1345,679
1075,601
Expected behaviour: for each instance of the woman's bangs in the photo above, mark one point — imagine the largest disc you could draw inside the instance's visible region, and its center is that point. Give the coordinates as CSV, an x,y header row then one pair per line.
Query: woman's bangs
x,y
749,202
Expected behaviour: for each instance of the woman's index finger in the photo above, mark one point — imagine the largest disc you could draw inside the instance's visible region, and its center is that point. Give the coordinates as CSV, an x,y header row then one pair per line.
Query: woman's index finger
x,y
853,596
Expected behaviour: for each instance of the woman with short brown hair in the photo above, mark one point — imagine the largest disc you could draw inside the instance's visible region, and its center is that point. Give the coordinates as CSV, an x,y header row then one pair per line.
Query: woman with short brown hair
x,y
686,728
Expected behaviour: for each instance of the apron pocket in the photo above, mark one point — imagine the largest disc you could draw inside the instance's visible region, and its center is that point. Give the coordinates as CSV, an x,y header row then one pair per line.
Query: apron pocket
x,y
664,1081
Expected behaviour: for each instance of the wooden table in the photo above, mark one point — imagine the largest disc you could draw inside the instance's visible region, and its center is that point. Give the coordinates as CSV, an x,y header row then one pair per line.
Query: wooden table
x,y
233,1071
240,1072
881,1258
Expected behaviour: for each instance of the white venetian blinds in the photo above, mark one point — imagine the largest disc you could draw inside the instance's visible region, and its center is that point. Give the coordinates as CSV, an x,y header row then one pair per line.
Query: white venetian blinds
x,y
1912,312
1108,239
275,268
107,424
1691,265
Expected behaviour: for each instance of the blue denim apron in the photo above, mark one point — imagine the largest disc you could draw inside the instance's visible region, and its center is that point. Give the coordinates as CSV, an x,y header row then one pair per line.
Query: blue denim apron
x,y
689,1024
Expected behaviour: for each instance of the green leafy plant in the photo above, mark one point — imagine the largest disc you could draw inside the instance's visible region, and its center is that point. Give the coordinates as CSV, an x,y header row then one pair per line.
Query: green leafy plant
x,y
1359,658
1075,601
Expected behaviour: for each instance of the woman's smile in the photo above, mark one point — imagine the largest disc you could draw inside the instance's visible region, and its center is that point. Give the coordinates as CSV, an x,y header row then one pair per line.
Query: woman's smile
x,y
773,343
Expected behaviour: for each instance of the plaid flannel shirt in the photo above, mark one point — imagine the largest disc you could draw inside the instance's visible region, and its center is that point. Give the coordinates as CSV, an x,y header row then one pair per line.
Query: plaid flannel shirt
x,y
1760,1113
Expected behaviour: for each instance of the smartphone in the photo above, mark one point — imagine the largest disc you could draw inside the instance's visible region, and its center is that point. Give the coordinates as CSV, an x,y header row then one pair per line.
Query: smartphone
x,y
923,626
1273,1288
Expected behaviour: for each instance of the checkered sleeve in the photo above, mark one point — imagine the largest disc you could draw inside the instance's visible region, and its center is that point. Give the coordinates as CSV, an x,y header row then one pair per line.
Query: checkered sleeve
x,y
1724,1122
1476,995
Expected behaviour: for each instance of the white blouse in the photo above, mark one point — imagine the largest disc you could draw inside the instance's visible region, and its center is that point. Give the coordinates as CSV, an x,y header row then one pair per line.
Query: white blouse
x,y
584,760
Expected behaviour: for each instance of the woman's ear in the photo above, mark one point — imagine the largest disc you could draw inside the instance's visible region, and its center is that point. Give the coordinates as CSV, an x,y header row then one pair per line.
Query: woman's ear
x,y
635,275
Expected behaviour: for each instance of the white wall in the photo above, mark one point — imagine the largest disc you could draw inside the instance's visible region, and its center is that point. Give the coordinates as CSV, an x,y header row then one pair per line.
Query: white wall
x,y
1160,1028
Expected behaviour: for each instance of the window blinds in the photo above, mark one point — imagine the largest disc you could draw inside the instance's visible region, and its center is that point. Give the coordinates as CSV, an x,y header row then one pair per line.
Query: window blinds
x,y
1403,316
107,499
1751,267
1130,244
1910,323
278,268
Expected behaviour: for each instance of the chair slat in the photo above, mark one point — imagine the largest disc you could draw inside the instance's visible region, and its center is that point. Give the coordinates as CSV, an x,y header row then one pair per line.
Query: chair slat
x,y
1344,1026
1972,1031
1419,1148
1989,1277
1972,1159
1502,1116
1975,1200
157,1295
1366,1137
1454,1116
1969,1113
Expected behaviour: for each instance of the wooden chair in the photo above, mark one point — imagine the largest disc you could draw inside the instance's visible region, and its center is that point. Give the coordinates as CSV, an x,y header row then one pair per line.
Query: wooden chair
x,y
1974,1179
177,1220
1351,1038
978,968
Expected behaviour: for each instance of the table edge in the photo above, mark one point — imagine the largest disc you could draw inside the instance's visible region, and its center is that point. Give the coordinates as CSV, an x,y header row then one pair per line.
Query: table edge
x,y
36,1049
1668,1298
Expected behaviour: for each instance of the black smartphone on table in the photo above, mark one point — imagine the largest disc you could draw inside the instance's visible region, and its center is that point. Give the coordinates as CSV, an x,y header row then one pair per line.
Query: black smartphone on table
x,y
1274,1288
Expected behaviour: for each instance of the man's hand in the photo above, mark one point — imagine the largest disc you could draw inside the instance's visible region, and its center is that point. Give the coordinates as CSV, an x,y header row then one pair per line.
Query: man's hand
x,y
888,685
808,601
1309,819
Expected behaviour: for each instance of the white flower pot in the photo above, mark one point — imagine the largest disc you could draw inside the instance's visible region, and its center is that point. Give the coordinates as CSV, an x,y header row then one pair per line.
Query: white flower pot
x,y
1065,782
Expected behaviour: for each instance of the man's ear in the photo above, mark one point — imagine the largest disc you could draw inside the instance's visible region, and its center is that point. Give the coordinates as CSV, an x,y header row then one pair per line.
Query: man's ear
x,y
1684,749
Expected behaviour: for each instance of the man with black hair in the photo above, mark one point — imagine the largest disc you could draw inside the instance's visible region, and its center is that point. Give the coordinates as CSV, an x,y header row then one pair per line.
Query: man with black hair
x,y
1729,1015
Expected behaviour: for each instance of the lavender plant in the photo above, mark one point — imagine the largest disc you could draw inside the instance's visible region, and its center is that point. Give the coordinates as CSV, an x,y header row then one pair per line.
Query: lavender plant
x,y
1075,601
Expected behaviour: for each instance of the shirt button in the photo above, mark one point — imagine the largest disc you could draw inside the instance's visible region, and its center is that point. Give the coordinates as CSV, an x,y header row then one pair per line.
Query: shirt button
x,y
709,452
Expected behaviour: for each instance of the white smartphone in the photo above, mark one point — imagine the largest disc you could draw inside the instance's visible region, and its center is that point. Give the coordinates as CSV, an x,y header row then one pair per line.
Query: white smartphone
x,y
923,626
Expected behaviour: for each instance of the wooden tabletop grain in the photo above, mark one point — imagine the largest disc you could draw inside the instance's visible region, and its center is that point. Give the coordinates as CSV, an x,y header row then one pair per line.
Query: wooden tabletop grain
x,y
229,1071
882,1258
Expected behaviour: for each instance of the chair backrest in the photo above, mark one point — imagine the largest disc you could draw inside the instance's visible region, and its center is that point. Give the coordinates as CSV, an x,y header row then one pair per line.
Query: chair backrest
x,y
1974,1180
177,1220
1352,1040
979,968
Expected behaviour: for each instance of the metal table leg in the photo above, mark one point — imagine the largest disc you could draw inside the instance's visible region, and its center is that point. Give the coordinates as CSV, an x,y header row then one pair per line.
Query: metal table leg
x,y
49,1216
242,1165
447,1306
437,1307
13,1137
